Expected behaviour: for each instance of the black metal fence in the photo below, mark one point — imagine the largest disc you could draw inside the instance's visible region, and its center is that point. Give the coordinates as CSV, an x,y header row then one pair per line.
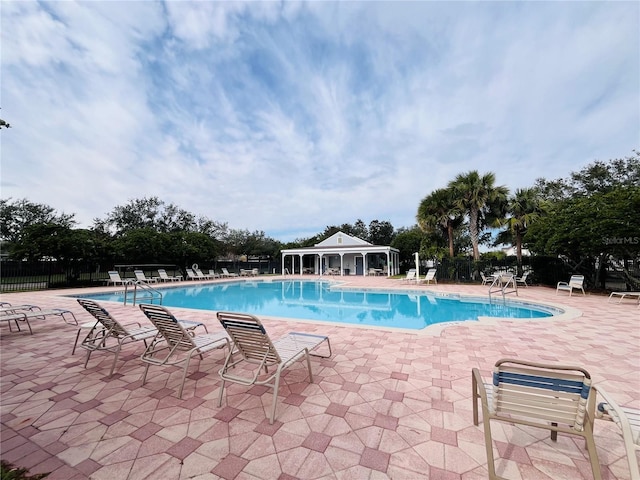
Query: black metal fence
x,y
24,276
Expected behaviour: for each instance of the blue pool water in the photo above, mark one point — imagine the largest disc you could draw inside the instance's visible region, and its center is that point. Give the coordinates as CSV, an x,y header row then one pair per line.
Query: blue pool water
x,y
317,300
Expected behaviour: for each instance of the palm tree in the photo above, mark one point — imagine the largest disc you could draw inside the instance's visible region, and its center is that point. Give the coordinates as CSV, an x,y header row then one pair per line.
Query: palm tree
x,y
478,197
439,210
523,208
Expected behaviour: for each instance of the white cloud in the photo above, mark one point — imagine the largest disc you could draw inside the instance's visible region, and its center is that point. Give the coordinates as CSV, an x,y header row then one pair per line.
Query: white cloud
x,y
287,117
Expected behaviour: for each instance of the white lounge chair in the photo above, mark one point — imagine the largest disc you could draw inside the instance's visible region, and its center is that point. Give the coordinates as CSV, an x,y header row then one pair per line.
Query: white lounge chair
x,y
141,277
114,277
411,275
430,276
164,277
486,279
522,280
226,273
575,283
16,314
191,275
174,345
622,295
254,347
201,275
8,308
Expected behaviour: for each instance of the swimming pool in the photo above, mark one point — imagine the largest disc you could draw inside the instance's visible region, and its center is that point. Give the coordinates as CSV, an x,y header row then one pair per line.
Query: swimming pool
x,y
326,301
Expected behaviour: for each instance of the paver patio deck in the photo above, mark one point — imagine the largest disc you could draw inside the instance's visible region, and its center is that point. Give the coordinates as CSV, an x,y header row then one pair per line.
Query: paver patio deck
x,y
387,404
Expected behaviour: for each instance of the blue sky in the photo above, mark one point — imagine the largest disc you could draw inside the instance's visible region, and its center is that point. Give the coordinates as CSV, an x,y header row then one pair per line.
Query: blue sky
x,y
288,117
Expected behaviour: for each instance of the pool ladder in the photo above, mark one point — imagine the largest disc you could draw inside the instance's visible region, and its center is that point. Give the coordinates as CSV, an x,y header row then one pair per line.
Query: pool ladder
x,y
147,292
501,284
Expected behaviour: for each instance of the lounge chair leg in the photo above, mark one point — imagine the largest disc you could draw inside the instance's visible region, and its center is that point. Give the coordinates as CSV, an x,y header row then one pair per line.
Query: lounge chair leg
x,y
554,433
184,375
306,353
144,375
220,394
275,397
491,466
75,344
475,397
115,359
86,360
593,457
28,325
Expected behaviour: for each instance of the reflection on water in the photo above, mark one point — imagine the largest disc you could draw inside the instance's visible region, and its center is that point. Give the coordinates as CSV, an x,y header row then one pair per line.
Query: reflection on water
x,y
315,300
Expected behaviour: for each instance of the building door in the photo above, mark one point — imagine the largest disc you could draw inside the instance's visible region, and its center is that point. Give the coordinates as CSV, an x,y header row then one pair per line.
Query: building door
x,y
359,265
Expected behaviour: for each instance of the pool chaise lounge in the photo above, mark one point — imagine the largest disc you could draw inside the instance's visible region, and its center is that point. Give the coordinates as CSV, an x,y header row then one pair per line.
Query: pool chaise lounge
x,y
254,347
165,277
141,277
8,308
558,398
35,313
109,335
174,344
624,295
226,273
114,277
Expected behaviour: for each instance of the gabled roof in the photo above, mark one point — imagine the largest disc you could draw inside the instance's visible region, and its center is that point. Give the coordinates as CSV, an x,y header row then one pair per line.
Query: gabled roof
x,y
341,239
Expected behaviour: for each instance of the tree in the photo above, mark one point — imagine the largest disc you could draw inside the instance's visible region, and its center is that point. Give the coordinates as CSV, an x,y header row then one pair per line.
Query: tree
x,y
380,233
243,242
592,223
16,216
440,211
156,214
588,232
598,176
140,246
408,241
359,230
523,208
479,197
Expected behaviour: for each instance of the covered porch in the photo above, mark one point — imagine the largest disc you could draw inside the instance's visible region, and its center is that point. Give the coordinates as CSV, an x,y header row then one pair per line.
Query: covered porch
x,y
342,254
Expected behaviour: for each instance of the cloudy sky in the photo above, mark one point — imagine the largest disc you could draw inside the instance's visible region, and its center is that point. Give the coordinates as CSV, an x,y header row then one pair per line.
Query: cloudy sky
x,y
288,117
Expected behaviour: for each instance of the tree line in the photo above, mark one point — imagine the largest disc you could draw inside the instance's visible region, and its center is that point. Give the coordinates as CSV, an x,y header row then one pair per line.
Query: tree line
x,y
590,220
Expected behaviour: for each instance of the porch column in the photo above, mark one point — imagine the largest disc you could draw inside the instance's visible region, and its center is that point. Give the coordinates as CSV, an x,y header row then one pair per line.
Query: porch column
x,y
341,265
365,267
301,255
320,264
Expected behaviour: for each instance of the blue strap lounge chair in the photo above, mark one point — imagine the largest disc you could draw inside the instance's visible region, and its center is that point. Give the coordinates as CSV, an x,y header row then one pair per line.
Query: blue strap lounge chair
x,y
554,397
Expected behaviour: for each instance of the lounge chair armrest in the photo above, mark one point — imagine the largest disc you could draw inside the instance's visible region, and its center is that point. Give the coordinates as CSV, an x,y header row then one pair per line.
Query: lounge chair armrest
x,y
137,324
479,393
610,410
